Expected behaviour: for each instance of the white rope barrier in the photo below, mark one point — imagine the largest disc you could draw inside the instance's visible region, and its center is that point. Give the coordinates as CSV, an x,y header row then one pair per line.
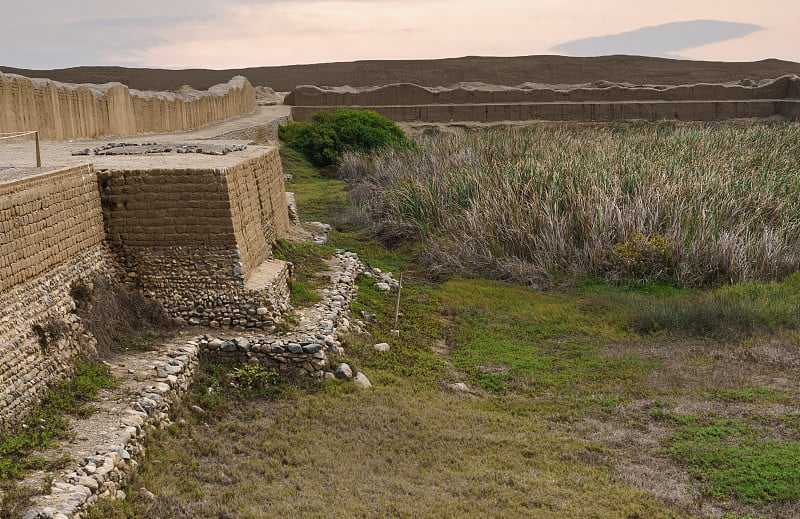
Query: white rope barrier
x,y
14,135
35,133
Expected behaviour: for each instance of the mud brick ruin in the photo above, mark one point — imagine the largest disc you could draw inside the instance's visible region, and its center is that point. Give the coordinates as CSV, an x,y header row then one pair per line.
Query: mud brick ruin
x,y
194,232
601,101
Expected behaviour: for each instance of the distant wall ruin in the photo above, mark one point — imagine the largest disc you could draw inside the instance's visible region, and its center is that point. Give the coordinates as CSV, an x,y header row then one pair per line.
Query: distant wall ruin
x,y
596,102
62,111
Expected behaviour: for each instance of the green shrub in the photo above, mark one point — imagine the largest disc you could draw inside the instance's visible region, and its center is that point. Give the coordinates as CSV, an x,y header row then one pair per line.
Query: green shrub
x,y
324,139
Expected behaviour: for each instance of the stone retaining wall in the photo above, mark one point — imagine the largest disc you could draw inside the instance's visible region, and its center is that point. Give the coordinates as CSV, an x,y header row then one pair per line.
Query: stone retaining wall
x,y
52,236
305,352
62,111
195,240
108,472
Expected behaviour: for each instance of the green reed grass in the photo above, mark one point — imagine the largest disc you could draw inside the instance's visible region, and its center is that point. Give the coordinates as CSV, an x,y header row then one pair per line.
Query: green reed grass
x,y
542,201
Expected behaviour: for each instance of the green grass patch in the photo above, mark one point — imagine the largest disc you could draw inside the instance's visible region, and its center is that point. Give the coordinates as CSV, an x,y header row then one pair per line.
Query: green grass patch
x,y
733,459
49,421
308,260
749,395
513,338
727,312
318,198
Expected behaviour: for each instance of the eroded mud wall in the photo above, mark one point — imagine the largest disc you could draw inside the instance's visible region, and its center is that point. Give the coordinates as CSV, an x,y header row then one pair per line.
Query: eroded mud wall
x,y
62,111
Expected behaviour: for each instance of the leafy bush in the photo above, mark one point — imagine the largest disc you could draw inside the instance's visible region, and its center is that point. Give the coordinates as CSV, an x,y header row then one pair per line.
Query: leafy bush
x,y
324,139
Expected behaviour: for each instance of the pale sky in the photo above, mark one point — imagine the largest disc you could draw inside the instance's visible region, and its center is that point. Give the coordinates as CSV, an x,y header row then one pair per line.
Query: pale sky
x,y
43,34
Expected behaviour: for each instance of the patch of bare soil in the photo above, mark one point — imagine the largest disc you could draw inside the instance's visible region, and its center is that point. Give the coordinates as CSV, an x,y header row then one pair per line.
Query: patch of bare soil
x,y
688,374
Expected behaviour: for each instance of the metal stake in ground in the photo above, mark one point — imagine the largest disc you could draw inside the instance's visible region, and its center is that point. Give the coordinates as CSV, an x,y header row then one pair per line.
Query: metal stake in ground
x,y
396,331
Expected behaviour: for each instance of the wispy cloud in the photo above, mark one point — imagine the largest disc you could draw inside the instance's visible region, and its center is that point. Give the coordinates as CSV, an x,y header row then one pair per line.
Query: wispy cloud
x,y
664,40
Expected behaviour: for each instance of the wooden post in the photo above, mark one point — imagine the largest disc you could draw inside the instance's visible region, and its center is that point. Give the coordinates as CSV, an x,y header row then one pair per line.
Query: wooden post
x,y
38,150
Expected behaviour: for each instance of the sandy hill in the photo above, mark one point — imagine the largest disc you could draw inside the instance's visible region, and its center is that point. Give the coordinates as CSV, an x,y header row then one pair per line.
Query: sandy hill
x,y
498,71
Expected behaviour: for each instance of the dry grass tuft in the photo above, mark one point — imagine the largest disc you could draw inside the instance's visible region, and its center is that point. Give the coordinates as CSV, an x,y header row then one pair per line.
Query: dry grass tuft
x,y
118,316
688,203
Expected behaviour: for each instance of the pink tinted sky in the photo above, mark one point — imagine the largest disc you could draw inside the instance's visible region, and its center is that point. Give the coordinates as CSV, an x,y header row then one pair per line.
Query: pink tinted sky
x,y
241,33
309,31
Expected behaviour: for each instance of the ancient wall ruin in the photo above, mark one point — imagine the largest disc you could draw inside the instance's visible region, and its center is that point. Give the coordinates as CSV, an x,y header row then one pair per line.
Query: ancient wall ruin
x,y
52,236
596,102
197,240
62,111
200,240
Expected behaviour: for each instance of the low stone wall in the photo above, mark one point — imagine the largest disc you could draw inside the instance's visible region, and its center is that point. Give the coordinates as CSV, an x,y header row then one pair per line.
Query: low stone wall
x,y
105,474
62,111
52,236
305,352
199,240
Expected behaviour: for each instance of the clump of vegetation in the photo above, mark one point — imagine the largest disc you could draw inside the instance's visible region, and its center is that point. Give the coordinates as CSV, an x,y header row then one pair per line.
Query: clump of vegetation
x,y
726,312
698,205
118,316
255,379
328,134
733,459
49,422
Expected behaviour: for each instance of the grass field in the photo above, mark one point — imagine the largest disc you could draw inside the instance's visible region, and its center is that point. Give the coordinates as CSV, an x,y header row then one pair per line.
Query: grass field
x,y
600,400
684,203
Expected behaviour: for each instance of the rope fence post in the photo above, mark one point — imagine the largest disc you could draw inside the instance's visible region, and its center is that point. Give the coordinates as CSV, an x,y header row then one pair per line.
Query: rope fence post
x,y
35,133
38,150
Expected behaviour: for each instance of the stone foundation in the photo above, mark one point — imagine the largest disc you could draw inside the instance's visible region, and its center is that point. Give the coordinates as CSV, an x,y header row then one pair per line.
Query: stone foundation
x,y
198,240
52,236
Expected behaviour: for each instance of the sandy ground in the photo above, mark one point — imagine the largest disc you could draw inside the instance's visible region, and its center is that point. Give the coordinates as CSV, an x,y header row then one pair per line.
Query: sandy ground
x,y
20,153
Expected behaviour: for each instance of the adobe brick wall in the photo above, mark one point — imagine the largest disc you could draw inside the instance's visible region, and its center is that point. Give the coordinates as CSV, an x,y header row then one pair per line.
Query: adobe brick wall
x,y
409,94
596,111
52,235
258,206
193,238
62,111
612,102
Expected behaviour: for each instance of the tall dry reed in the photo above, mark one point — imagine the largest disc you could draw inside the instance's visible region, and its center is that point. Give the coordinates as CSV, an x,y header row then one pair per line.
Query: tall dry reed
x,y
693,204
